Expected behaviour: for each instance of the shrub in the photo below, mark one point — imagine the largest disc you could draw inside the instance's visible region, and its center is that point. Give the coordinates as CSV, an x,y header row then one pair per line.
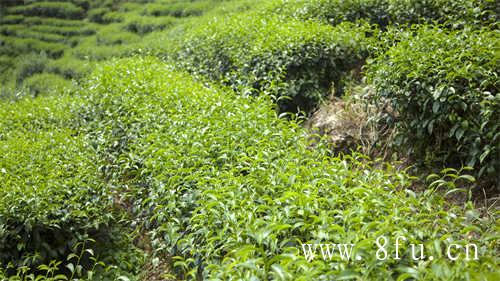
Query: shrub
x,y
46,84
117,16
53,22
9,29
84,4
51,195
69,67
178,9
383,12
114,34
65,10
29,65
6,63
97,15
443,87
87,50
144,25
285,57
18,46
64,30
46,37
231,191
8,92
11,19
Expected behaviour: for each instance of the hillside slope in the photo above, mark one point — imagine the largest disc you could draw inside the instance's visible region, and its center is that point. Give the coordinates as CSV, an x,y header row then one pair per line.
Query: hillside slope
x,y
165,140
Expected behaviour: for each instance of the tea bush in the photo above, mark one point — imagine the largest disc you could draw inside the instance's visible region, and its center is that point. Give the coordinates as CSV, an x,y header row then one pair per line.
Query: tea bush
x,y
64,10
144,25
231,191
53,22
285,57
84,4
24,33
69,67
51,194
385,12
12,46
97,15
118,16
11,19
443,87
87,50
178,8
64,30
6,65
208,175
46,83
29,65
113,34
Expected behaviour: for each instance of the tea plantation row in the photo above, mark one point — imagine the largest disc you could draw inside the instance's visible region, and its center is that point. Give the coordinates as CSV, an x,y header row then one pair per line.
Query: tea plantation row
x,y
222,184
445,106
183,162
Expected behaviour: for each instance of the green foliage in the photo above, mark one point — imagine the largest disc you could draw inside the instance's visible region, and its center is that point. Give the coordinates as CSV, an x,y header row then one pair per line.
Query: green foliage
x,y
87,50
65,10
294,60
178,8
384,12
97,15
47,84
15,46
443,87
11,19
208,174
113,34
64,30
29,65
6,67
81,264
69,67
117,16
22,32
52,195
144,25
53,22
230,190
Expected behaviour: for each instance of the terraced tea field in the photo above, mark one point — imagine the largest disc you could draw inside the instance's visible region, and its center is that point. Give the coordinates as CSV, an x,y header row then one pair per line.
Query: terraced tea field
x,y
249,140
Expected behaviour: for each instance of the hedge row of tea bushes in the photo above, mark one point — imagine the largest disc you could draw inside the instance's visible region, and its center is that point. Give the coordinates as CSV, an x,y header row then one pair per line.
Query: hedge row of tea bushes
x,y
29,40
63,10
444,89
80,32
57,214
230,190
218,181
51,194
283,50
295,60
454,13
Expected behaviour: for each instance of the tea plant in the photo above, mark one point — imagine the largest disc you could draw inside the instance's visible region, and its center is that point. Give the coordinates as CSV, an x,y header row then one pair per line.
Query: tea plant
x,y
231,191
454,13
51,194
47,84
443,88
181,167
253,52
63,10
